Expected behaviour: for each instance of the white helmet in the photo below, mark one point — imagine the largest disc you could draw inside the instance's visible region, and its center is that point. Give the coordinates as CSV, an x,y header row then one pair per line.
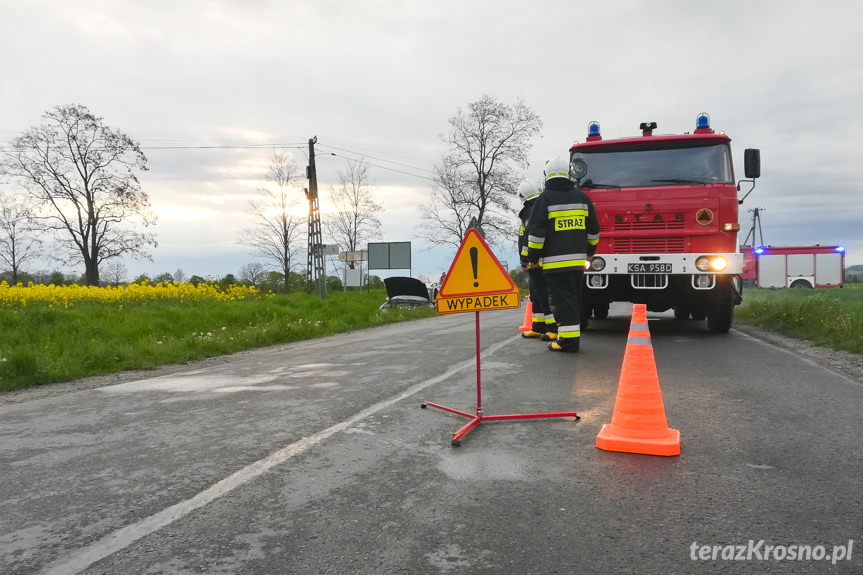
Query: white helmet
x,y
528,190
556,167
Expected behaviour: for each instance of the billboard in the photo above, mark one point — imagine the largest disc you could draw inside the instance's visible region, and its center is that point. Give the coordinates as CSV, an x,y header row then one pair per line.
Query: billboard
x,y
389,255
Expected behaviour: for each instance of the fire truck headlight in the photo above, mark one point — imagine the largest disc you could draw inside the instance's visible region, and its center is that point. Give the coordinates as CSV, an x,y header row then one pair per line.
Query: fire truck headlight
x,y
597,264
718,264
703,263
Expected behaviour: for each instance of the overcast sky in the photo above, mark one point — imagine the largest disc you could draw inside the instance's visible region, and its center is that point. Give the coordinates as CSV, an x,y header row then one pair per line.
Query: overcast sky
x,y
381,78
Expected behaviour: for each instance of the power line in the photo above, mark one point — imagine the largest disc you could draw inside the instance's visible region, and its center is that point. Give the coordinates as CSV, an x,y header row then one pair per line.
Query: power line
x,y
376,158
385,168
363,157
283,146
226,147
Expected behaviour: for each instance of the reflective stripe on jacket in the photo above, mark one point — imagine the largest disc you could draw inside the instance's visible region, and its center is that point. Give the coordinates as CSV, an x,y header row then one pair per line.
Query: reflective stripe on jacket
x,y
524,216
563,228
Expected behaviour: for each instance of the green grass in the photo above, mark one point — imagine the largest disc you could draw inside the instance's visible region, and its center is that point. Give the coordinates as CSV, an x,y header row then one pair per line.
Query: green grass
x,y
42,344
829,317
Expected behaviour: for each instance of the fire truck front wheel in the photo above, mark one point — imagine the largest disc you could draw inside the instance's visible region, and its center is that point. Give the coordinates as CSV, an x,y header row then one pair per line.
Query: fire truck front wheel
x,y
600,310
720,316
699,312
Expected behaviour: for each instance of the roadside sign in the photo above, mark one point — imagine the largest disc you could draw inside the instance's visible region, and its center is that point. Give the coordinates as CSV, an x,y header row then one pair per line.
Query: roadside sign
x,y
476,281
478,302
356,256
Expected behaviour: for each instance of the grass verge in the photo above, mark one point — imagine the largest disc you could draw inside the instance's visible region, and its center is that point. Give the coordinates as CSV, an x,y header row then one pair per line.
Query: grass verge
x,y
42,343
829,317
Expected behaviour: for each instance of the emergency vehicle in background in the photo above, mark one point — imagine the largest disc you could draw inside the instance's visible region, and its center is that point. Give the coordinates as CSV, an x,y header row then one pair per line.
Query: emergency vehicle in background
x,y
793,266
667,207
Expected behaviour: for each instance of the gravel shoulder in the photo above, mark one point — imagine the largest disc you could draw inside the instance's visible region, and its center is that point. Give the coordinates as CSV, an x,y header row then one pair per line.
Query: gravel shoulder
x,y
843,362
846,363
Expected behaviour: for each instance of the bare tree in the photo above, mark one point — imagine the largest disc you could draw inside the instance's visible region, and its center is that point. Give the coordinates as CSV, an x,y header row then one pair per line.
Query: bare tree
x,y
355,221
489,144
253,273
447,215
278,234
19,240
116,272
83,172
180,275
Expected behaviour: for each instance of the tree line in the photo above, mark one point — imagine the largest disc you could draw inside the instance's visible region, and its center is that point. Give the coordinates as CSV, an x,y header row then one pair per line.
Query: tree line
x,y
74,193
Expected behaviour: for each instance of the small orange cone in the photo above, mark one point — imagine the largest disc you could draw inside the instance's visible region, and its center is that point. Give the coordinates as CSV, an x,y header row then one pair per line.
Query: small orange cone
x,y
528,317
638,424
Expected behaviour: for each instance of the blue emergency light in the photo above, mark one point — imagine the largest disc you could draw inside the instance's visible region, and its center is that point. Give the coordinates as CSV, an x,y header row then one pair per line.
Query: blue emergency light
x,y
840,248
593,129
703,121
759,251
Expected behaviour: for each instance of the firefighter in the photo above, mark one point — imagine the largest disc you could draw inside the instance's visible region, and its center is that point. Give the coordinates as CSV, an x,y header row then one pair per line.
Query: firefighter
x,y
542,320
563,231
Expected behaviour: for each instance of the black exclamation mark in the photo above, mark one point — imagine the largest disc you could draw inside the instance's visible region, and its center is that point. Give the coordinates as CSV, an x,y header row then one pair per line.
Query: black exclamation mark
x,y
474,261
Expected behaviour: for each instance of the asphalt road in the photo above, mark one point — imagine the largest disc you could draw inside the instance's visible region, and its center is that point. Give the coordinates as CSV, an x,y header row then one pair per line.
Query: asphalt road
x,y
316,458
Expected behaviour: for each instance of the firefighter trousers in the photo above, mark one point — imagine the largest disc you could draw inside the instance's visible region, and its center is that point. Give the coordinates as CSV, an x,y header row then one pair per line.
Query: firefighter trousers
x,y
542,319
565,289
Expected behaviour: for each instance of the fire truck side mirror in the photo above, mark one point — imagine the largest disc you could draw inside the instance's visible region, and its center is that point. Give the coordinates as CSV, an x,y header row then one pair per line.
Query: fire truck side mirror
x,y
752,163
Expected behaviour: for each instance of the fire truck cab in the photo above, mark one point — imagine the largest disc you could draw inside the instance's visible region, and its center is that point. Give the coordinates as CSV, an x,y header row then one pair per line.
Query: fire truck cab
x,y
667,206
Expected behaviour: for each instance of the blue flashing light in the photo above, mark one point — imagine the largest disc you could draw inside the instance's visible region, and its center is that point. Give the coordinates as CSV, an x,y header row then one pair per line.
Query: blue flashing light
x,y
840,248
703,121
593,129
759,251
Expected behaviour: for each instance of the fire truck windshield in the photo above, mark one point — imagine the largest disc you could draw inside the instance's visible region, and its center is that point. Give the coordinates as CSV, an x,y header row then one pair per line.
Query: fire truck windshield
x,y
678,164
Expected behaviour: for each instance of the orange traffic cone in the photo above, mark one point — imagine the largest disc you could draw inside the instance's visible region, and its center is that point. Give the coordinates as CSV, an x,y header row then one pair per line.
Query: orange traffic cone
x,y
638,424
528,317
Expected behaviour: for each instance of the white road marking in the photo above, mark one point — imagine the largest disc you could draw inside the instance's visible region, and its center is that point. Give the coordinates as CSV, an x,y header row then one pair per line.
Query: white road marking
x,y
805,360
81,559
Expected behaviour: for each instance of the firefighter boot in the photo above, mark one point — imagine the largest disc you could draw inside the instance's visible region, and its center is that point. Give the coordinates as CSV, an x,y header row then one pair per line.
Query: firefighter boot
x,y
550,329
568,344
537,329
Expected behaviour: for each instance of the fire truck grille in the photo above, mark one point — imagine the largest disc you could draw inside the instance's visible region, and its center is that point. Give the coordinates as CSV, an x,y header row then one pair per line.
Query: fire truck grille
x,y
672,245
627,226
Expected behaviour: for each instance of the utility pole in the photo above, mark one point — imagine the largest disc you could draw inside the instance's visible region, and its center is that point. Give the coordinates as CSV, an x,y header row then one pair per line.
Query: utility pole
x,y
756,228
315,270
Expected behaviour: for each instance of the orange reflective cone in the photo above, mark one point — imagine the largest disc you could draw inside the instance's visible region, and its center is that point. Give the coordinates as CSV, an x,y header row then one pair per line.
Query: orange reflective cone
x,y
638,424
528,317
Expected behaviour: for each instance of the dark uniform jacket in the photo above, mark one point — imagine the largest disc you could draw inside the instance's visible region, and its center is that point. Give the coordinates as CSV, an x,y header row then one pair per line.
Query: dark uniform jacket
x,y
563,228
524,217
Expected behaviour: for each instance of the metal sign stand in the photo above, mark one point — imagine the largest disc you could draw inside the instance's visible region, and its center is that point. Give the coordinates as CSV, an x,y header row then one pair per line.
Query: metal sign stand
x,y
480,416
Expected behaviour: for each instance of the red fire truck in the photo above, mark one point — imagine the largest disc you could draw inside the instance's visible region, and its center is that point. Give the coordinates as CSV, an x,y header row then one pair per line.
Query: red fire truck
x,y
793,266
667,207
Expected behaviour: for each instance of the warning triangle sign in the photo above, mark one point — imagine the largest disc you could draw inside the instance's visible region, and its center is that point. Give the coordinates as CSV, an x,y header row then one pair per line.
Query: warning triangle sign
x,y
475,271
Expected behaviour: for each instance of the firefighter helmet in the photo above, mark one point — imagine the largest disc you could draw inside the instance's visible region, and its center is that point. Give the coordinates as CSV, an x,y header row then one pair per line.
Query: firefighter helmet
x,y
556,167
527,190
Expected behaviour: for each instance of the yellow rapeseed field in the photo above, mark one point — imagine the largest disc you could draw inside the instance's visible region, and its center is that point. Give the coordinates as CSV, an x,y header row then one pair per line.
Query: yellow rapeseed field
x,y
66,296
